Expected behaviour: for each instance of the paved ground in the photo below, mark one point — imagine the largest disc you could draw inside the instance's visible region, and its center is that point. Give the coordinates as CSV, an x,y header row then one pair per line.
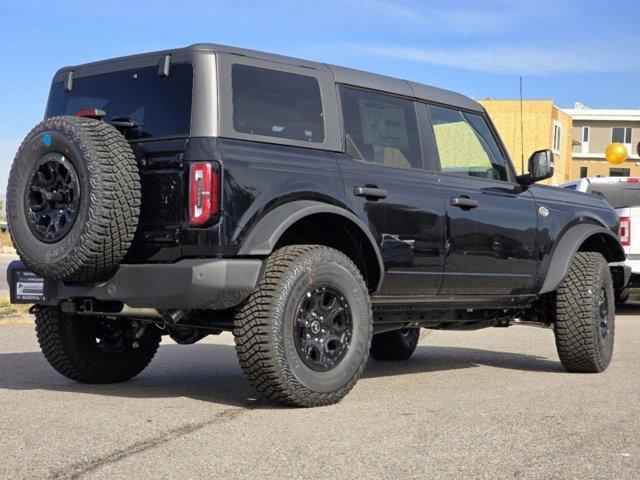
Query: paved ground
x,y
488,404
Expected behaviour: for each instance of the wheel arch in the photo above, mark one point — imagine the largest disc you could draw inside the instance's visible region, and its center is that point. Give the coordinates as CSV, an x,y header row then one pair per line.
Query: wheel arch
x,y
307,221
580,238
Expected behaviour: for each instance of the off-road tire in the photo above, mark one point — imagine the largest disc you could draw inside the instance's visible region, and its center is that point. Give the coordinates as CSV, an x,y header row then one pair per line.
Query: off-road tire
x,y
264,326
395,345
107,216
580,339
68,347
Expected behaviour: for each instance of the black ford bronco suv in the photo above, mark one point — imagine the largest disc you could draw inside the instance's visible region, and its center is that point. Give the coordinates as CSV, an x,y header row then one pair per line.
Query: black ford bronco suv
x,y
321,214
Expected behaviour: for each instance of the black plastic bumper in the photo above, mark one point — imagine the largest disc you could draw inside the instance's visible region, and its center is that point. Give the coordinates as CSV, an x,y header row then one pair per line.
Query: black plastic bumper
x,y
187,284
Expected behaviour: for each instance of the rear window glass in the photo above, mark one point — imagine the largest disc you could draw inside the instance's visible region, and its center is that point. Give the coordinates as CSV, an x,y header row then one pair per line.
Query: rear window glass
x,y
276,104
162,105
618,195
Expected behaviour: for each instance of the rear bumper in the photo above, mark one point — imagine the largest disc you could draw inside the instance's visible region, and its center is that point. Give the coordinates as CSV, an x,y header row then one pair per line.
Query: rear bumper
x,y
188,284
634,265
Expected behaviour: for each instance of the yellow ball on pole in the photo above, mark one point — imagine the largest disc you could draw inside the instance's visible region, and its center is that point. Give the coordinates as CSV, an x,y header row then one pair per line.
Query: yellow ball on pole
x,y
616,153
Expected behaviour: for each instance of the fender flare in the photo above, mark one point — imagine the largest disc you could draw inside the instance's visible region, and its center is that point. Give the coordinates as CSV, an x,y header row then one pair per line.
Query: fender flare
x,y
264,235
567,247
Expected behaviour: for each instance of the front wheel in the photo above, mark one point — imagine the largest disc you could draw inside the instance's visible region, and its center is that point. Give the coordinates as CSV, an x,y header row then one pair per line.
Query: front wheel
x,y
585,315
303,336
94,349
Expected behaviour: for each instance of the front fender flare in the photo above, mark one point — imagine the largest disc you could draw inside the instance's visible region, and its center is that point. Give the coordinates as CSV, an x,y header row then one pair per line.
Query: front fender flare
x,y
263,237
567,247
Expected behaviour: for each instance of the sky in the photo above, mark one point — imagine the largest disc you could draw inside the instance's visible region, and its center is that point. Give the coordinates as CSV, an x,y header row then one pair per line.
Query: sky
x,y
569,51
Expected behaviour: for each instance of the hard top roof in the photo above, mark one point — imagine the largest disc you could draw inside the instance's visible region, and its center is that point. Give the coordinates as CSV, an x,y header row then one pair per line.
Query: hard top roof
x,y
348,76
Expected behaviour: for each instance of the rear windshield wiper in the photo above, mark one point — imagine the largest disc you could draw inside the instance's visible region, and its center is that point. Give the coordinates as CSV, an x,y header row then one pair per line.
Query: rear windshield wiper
x,y
125,122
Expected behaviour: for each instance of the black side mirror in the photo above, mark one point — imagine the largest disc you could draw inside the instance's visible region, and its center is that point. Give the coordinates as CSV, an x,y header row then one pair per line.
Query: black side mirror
x,y
540,168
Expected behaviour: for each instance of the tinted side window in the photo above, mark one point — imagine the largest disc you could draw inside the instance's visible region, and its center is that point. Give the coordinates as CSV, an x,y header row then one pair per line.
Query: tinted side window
x,y
276,104
466,145
380,128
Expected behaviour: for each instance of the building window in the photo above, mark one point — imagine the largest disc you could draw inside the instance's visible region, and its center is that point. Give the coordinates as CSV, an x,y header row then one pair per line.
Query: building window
x,y
557,136
619,172
583,172
621,135
586,132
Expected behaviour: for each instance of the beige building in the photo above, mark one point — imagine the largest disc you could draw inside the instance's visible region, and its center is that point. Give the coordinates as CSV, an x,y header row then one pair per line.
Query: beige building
x,y
593,131
545,126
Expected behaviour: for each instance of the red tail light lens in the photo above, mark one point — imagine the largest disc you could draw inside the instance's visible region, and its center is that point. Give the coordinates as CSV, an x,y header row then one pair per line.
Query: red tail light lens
x,y
625,231
91,113
203,193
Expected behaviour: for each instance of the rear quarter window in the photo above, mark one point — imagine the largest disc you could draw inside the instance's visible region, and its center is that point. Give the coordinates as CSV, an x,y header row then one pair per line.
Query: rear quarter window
x,y
276,104
162,105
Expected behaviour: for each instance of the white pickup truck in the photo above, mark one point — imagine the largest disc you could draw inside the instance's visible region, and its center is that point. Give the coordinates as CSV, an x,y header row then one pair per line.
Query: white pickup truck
x,y
623,193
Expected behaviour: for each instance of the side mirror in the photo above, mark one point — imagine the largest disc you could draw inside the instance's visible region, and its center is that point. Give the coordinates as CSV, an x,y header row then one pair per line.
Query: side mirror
x,y
540,168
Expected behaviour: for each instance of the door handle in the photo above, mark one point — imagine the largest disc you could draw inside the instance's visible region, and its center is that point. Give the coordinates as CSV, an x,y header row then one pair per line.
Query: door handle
x,y
370,192
464,202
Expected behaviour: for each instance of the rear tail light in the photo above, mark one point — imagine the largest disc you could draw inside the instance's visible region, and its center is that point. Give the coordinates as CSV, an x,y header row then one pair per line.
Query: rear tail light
x,y
91,113
631,180
625,231
203,193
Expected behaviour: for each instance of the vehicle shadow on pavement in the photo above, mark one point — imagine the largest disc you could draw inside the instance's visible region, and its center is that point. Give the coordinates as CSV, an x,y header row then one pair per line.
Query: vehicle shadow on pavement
x,y
211,373
430,359
629,308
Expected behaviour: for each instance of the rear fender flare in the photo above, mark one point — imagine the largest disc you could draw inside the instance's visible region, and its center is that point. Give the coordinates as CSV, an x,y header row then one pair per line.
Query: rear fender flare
x,y
263,237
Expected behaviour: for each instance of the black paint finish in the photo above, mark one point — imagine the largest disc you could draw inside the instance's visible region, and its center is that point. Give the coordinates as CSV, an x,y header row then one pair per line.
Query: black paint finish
x,y
491,247
409,223
429,247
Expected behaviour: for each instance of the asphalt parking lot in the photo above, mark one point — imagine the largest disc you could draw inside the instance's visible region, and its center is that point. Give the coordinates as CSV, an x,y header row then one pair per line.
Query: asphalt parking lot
x,y
491,404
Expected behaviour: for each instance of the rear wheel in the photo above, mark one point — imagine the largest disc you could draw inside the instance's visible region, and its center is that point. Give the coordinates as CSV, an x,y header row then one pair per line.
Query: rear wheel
x,y
585,315
303,335
92,349
395,345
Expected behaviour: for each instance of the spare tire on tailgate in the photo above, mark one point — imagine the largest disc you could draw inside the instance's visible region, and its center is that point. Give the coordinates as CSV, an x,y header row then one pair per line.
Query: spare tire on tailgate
x,y
73,198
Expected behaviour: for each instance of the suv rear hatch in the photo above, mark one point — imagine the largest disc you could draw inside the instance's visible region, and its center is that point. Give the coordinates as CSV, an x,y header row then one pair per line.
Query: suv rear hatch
x,y
157,108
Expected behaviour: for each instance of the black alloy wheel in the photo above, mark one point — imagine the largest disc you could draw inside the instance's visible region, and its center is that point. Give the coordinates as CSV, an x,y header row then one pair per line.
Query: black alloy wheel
x,y
323,328
52,198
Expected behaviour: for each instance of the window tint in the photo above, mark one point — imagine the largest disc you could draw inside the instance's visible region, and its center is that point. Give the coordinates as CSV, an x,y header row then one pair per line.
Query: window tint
x,y
571,187
381,128
162,105
276,104
466,145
